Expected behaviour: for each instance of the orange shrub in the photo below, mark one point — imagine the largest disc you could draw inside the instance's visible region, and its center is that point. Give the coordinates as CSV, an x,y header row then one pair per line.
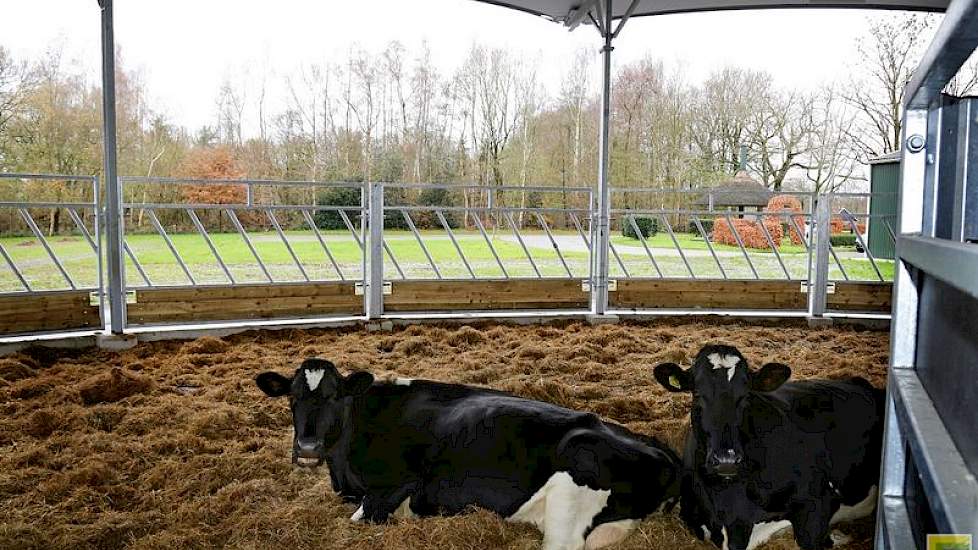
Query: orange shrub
x,y
838,226
749,231
781,203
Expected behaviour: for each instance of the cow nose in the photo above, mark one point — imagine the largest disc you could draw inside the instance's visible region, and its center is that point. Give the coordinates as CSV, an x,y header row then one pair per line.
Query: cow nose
x,y
309,448
726,463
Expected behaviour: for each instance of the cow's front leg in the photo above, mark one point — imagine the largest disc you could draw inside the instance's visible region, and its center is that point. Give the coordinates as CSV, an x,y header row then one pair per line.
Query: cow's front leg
x,y
737,535
379,505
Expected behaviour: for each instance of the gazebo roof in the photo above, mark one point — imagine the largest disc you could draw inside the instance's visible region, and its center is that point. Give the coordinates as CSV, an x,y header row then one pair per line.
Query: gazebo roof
x,y
741,190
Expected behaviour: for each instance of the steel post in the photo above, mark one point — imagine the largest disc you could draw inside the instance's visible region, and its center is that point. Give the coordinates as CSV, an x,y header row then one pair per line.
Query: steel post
x,y
599,284
116,287
374,290
818,289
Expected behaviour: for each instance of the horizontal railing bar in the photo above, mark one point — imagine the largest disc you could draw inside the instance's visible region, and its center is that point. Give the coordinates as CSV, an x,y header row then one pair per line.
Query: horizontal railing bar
x,y
414,208
86,205
53,177
494,189
953,262
780,213
238,206
706,190
277,183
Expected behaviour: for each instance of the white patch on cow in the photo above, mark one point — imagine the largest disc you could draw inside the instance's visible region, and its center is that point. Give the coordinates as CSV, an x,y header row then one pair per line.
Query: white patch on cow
x,y
723,531
609,533
563,510
762,532
403,381
404,510
706,532
314,377
728,362
839,538
861,510
358,515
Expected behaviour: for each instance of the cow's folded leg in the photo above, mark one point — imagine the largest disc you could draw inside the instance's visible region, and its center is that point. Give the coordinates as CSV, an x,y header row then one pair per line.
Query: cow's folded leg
x,y
811,525
379,506
737,535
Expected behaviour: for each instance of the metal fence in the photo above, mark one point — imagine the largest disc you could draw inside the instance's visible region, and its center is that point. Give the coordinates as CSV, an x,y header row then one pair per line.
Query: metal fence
x,y
259,235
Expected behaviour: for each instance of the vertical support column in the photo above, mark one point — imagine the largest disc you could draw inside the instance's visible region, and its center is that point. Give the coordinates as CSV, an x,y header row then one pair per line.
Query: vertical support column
x,y
818,289
599,271
903,325
375,251
116,288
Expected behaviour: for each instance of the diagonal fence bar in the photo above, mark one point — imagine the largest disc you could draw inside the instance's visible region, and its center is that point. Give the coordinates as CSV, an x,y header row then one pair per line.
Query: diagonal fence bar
x,y
13,267
173,250
869,254
709,245
773,245
417,237
682,255
47,247
516,232
492,248
645,245
553,242
285,241
210,244
73,214
244,236
740,243
135,262
322,242
451,236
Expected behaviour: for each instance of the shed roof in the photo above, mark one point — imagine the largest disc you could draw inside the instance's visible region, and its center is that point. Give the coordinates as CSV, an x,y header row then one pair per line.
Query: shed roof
x,y
742,190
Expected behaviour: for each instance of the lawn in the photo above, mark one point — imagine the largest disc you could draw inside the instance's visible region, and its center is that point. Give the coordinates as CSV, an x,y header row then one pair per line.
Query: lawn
x,y
161,267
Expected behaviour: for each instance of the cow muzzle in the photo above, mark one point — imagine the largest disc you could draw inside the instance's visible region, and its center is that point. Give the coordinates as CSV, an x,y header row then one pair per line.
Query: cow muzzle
x,y
726,463
307,453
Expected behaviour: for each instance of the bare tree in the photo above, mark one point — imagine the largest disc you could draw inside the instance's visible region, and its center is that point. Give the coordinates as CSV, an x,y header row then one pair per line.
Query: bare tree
x,y
832,160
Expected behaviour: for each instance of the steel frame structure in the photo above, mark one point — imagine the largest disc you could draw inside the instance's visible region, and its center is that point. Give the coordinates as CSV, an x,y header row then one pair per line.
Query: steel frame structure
x,y
928,478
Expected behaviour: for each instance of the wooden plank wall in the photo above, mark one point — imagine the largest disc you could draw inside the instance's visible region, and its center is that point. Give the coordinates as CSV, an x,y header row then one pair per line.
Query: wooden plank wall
x,y
869,297
712,294
512,294
230,303
47,311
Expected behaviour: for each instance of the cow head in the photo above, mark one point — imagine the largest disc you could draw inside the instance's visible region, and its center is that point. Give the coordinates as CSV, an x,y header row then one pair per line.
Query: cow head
x,y
318,395
721,382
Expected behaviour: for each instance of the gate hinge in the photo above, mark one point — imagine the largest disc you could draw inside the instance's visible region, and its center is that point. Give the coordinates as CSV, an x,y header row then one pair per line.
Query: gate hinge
x,y
359,288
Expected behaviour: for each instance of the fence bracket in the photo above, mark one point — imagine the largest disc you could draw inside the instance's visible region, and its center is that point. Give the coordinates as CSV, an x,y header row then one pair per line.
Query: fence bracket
x,y
829,287
95,298
612,285
358,288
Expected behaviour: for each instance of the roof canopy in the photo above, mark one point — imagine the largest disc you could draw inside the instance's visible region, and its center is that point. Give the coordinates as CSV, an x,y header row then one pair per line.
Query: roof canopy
x,y
564,10
742,190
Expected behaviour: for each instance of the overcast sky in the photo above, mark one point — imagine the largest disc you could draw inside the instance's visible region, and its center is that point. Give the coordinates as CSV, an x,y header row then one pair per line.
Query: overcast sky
x,y
186,48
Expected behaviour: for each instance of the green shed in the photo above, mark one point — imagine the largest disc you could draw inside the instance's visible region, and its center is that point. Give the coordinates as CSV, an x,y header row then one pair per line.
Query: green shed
x,y
884,182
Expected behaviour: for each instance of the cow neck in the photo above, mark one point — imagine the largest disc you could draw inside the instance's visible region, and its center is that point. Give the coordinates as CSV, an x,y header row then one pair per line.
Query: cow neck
x,y
342,445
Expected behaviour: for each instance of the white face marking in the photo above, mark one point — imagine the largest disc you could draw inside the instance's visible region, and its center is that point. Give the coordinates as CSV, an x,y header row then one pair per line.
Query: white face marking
x,y
403,381
609,533
314,377
358,515
728,362
563,510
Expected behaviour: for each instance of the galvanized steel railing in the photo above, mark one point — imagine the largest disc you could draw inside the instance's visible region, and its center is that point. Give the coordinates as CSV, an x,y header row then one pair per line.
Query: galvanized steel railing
x,y
29,272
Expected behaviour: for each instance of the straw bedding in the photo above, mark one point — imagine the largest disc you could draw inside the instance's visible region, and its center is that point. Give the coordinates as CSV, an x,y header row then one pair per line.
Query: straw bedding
x,y
171,445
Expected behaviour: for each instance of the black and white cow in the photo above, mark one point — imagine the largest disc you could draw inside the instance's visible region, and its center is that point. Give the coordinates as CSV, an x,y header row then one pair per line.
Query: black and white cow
x,y
763,455
414,447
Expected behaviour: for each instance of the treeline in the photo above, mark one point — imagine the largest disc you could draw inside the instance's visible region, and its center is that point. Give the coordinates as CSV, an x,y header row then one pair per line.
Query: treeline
x,y
392,116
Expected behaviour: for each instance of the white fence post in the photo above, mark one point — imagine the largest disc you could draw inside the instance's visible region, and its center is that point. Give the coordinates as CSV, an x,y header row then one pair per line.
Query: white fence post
x,y
818,288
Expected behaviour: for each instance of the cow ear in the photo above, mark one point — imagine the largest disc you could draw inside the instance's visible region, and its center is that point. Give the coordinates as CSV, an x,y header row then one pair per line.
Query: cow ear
x,y
770,377
357,383
273,384
673,377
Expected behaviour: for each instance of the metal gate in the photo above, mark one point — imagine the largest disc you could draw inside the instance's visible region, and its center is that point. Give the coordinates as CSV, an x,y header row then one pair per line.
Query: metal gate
x,y
931,452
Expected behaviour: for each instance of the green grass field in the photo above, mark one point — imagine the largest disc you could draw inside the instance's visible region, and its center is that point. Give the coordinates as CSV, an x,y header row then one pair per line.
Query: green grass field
x,y
161,267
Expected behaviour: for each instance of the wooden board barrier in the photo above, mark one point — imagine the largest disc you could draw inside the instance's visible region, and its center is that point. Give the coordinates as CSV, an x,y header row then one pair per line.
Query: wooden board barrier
x,y
47,311
869,297
461,295
244,302
711,294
